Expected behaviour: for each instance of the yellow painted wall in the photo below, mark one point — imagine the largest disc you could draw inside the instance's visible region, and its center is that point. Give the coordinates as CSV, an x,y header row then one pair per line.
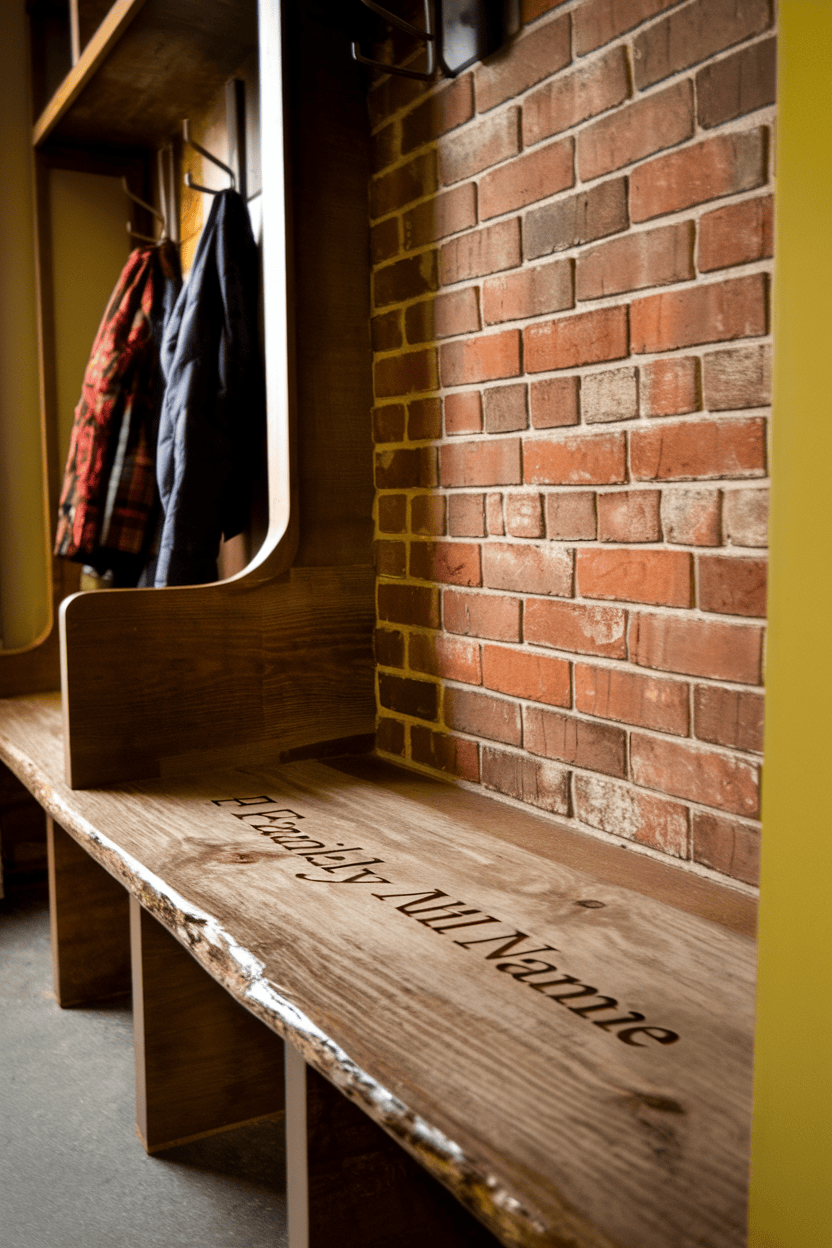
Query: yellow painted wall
x,y
791,1190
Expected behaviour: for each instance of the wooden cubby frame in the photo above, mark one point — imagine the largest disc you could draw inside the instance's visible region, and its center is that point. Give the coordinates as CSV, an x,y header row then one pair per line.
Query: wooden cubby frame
x,y
276,661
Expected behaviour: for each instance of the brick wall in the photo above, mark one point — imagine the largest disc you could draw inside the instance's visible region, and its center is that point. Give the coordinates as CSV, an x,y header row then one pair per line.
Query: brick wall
x,y
571,267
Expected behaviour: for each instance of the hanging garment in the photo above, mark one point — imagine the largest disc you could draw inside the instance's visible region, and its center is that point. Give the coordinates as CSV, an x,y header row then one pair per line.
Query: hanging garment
x,y
109,504
213,412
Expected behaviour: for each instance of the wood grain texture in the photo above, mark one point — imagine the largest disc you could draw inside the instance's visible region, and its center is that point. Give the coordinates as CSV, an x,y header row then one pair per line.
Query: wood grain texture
x,y
541,1120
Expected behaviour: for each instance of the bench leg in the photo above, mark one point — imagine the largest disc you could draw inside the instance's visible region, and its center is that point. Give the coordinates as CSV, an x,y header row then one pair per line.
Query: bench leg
x,y
348,1183
203,1063
89,924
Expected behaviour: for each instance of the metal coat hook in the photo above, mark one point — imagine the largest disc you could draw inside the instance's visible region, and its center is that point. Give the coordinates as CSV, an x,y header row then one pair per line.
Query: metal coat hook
x,y
427,36
194,186
457,33
149,208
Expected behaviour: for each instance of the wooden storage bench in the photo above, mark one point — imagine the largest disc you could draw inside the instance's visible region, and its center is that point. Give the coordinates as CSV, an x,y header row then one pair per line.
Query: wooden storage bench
x,y
557,1030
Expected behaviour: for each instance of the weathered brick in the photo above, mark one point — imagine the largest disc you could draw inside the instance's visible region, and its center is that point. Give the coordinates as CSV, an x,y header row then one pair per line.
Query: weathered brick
x,y
390,736
424,419
440,216
574,627
505,408
449,106
694,32
611,395
495,462
529,780
524,515
670,387
737,378
384,244
729,717
554,402
528,292
401,186
544,569
483,251
408,604
388,423
714,313
696,775
691,517
445,753
588,338
596,213
405,279
598,21
389,647
384,146
623,811
405,373
390,95
737,234
570,515
452,658
390,558
575,459
598,747
650,258
525,674
536,55
639,129
745,517
401,470
694,647
491,616
452,563
466,515
392,513
419,698
570,98
488,357
629,516
660,577
386,331
479,146
629,698
531,10
427,514
699,448
528,178
727,846
722,165
732,585
463,412
737,85
496,719
494,515
454,312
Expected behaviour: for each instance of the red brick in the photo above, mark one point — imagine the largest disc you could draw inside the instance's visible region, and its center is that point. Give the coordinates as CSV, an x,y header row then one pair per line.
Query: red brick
x,y
411,181
386,331
388,423
597,747
661,577
737,234
732,585
529,780
463,412
722,165
588,338
545,569
629,698
390,558
392,513
629,516
384,244
650,258
505,408
729,717
408,604
449,657
610,395
487,357
598,21
483,716
696,775
737,378
737,85
575,459
524,674
391,95
483,251
441,215
400,470
419,698
554,402
496,462
390,736
405,279
481,615
635,131
528,292
385,147
533,176
576,219
727,846
427,514
574,627
531,10
534,56
570,98
389,647
494,515
406,373
570,515
444,753
691,517
456,312
694,32
466,515
479,146
453,563
623,811
524,515
697,449
713,313
695,647
424,419
670,387
745,517
449,106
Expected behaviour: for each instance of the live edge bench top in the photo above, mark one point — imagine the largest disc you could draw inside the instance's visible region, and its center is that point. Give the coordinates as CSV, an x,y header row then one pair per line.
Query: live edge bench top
x,y
416,943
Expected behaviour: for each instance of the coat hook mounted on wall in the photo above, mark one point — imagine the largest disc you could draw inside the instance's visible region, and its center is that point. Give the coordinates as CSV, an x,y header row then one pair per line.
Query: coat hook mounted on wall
x,y
457,34
189,182
160,217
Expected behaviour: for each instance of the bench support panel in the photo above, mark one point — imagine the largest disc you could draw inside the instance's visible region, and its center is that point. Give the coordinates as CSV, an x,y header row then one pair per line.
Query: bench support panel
x,y
203,1063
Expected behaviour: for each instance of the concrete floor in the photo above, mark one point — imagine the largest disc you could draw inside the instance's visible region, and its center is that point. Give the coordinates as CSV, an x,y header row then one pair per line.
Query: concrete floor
x,y
72,1171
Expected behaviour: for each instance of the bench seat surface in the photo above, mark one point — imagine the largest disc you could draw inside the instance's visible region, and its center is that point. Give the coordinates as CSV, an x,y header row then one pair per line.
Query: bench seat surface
x,y
379,921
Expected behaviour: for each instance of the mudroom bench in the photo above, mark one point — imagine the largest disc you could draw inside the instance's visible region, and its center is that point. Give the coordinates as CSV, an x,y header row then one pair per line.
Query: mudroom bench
x,y
495,1029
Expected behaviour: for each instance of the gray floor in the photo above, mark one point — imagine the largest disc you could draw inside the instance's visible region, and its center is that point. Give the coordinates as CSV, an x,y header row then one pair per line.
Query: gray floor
x,y
72,1171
